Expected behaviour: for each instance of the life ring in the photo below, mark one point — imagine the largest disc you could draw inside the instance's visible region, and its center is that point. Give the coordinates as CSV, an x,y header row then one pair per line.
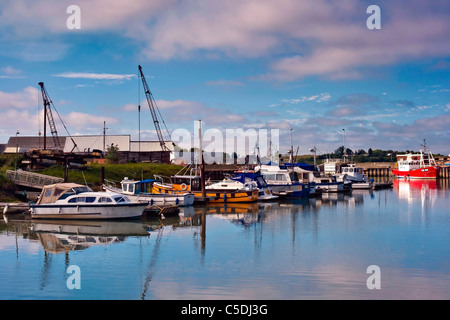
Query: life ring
x,y
183,186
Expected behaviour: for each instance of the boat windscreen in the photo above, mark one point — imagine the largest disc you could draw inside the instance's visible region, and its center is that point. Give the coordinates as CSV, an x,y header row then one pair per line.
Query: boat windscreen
x,y
81,189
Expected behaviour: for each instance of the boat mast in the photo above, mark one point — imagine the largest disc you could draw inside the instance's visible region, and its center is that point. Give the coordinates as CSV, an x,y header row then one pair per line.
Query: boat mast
x,y
200,155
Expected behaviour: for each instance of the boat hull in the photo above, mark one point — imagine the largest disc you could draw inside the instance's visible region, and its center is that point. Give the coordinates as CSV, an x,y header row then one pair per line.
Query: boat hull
x,y
213,195
159,199
88,211
289,190
431,172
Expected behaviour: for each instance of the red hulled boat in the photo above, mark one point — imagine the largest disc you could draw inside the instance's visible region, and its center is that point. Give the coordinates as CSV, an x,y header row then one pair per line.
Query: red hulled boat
x,y
417,166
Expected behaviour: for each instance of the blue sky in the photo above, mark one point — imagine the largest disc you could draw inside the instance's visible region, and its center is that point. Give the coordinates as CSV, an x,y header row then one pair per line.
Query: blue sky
x,y
312,66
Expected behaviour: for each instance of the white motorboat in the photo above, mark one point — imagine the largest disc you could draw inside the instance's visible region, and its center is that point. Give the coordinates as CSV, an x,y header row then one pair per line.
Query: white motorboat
x,y
355,175
75,201
251,178
283,182
140,191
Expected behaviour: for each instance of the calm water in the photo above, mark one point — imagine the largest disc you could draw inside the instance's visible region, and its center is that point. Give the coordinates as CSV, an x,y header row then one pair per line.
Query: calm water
x,y
305,249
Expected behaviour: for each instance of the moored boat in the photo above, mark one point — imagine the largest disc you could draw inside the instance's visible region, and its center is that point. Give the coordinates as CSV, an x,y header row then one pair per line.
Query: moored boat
x,y
257,179
282,182
141,191
417,166
192,183
355,175
75,201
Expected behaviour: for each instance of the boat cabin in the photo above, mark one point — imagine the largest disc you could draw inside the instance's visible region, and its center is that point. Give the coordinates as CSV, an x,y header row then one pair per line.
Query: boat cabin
x,y
95,198
60,191
276,175
137,187
248,177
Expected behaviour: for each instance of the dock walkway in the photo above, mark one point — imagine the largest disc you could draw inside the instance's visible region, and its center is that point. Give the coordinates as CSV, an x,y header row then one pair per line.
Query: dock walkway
x,y
31,179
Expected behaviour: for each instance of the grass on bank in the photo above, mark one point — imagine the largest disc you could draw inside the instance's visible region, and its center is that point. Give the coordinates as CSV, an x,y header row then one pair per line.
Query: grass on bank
x,y
91,174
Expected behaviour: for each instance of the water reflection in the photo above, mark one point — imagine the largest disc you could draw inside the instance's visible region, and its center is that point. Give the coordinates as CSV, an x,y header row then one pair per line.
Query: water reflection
x,y
304,248
413,192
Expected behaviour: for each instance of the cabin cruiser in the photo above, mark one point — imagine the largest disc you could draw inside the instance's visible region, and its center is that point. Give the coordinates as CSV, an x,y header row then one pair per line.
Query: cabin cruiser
x,y
141,191
177,184
75,201
247,180
283,182
355,175
319,183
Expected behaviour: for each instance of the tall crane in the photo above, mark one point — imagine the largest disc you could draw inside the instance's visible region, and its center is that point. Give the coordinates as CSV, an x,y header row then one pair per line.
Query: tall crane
x,y
153,107
48,115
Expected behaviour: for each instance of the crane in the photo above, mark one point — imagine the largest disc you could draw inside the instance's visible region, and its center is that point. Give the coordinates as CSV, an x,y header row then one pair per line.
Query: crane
x,y
48,115
153,107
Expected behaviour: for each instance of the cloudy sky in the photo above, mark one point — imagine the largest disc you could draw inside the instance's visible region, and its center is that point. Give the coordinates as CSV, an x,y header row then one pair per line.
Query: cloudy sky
x,y
312,66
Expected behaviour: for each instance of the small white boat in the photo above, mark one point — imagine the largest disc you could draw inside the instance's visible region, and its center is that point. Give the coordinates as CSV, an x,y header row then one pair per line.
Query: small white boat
x,y
140,191
255,179
355,175
75,201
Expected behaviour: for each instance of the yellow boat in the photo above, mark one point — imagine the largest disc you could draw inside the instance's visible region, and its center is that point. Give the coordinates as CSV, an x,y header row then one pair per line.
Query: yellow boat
x,y
184,183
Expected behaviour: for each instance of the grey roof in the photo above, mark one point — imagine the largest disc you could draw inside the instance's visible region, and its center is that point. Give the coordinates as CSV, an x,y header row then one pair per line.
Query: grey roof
x,y
24,144
85,143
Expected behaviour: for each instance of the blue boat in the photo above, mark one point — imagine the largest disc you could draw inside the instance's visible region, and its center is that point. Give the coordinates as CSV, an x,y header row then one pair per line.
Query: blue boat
x,y
247,177
283,182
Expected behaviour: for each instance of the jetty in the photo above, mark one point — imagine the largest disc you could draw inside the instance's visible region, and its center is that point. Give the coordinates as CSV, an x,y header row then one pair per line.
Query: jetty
x,y
31,179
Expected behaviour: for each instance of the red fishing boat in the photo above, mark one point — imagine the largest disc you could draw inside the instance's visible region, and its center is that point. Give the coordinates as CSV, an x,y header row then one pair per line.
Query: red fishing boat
x,y
417,166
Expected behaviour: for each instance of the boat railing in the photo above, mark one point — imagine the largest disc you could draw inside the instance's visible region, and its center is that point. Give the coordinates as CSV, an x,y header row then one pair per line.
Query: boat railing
x,y
163,179
110,183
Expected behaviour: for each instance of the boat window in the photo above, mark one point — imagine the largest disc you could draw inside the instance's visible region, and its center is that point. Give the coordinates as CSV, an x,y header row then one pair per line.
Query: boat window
x,y
81,189
350,169
48,193
261,182
104,199
90,199
73,200
269,177
195,185
280,177
58,192
120,199
344,170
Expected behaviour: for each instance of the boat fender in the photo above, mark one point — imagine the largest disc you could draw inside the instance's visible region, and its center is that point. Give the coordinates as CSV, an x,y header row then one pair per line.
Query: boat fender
x,y
183,186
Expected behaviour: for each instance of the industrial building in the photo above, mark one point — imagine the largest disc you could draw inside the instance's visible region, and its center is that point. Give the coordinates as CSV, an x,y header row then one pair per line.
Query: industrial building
x,y
88,145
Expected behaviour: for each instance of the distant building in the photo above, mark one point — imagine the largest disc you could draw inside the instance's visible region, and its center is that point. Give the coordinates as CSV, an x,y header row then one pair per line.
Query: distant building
x,y
130,151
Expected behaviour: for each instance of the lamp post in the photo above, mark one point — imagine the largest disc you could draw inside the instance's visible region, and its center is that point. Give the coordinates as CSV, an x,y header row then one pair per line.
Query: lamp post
x,y
343,145
17,151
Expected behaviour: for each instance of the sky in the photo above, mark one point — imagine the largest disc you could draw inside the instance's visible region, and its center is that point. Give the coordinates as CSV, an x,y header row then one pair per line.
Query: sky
x,y
311,66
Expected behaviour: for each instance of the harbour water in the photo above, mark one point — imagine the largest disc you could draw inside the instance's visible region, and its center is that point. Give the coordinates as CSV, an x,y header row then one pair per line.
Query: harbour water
x,y
314,248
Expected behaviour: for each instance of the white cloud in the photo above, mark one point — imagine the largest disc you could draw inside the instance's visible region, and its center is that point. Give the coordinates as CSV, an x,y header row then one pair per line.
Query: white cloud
x,y
314,38
96,76
25,99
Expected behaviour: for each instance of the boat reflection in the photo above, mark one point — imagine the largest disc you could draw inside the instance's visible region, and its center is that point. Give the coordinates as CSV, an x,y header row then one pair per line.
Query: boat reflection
x,y
58,236
415,189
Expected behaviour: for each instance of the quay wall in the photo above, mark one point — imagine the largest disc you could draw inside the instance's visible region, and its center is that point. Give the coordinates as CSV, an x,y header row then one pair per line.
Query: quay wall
x,y
372,169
